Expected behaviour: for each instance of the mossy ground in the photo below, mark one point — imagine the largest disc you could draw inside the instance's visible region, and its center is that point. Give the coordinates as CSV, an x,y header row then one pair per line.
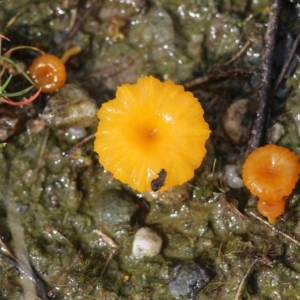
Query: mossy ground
x,y
77,231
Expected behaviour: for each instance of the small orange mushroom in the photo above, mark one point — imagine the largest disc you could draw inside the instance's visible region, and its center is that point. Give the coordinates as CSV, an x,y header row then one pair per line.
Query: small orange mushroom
x,y
271,173
48,72
152,135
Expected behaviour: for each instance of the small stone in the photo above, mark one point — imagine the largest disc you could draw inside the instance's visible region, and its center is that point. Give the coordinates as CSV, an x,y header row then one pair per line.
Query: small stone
x,y
10,124
113,208
189,278
237,121
175,195
146,243
76,133
157,29
71,106
233,176
275,132
36,125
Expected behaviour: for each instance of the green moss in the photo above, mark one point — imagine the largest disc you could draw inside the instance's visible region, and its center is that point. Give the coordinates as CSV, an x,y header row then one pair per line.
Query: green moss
x,y
79,222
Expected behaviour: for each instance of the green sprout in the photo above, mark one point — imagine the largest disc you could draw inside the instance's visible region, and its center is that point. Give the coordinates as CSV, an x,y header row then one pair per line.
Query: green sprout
x,y
4,96
218,184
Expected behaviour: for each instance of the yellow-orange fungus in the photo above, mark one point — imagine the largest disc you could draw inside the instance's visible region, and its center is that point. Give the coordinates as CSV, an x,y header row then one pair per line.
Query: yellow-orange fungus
x,y
153,132
70,52
271,173
48,72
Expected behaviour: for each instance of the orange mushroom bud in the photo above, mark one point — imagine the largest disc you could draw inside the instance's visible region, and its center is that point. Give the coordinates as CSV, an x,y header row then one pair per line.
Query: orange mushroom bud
x,y
48,72
152,135
271,173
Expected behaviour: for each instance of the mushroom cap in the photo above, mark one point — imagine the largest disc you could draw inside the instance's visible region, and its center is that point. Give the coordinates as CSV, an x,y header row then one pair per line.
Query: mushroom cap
x,y
48,72
151,128
271,172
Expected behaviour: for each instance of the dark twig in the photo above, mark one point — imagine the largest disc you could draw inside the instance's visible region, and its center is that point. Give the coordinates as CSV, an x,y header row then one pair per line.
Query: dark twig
x,y
30,274
40,158
286,65
78,23
260,123
210,74
239,54
196,81
80,144
31,284
274,228
240,289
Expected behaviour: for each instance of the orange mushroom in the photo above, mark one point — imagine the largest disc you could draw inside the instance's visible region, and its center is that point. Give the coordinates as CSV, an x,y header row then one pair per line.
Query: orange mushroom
x,y
271,173
152,135
48,72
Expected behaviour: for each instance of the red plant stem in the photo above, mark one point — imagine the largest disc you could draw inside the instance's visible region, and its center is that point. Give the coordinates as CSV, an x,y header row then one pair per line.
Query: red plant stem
x,y
4,37
25,102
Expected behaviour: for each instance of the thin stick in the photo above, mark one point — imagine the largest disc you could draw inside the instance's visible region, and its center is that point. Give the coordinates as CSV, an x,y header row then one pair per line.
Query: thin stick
x,y
239,291
79,22
273,228
287,64
7,250
260,123
239,54
21,256
12,20
205,78
112,253
32,277
196,81
112,244
10,51
106,238
1,36
41,154
79,144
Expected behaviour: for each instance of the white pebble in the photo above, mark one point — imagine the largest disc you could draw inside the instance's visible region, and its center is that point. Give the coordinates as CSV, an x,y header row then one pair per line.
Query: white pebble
x,y
146,243
233,178
296,116
76,132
